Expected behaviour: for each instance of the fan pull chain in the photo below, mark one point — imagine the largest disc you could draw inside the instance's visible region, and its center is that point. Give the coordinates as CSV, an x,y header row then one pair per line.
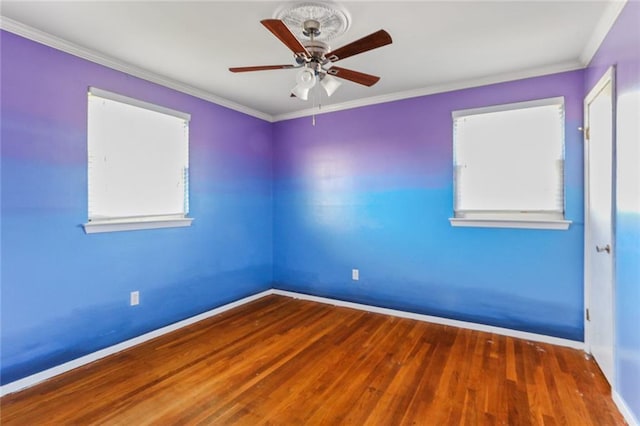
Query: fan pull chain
x,y
316,92
313,117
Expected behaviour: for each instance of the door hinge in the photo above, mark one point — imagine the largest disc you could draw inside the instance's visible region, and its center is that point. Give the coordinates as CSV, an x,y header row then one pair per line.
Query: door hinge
x,y
587,315
587,133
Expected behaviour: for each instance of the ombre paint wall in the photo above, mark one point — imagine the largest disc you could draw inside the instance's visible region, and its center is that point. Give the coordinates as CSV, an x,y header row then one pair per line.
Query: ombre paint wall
x,y
292,206
66,294
621,48
372,188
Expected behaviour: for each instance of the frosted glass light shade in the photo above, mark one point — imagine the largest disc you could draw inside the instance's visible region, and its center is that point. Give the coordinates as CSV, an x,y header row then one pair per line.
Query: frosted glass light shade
x,y
306,78
301,92
330,84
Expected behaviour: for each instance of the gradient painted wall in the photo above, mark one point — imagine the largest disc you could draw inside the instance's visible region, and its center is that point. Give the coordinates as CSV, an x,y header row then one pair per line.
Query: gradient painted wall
x,y
372,188
66,294
622,49
295,207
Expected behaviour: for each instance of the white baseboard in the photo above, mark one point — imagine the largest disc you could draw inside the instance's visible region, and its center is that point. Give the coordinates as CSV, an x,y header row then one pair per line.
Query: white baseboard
x,y
78,362
67,366
438,320
624,409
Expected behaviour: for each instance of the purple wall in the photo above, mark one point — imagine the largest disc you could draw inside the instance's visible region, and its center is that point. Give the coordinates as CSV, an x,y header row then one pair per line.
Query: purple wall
x,y
622,49
65,293
372,188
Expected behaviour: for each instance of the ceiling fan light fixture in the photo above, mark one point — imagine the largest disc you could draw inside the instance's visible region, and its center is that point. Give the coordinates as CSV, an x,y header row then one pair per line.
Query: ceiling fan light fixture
x,y
314,57
330,84
301,92
306,78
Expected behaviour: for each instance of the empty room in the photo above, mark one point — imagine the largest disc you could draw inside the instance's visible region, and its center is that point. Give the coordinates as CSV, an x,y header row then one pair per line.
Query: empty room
x,y
319,212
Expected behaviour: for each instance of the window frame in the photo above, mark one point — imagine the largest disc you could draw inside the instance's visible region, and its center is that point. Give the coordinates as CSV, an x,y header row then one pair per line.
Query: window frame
x,y
500,218
121,223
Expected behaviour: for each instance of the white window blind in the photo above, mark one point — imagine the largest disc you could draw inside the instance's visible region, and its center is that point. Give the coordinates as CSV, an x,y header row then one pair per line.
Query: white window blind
x,y
509,161
138,160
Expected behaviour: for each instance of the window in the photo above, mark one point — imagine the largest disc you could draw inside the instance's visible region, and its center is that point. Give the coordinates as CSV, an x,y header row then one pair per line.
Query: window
x,y
138,164
509,165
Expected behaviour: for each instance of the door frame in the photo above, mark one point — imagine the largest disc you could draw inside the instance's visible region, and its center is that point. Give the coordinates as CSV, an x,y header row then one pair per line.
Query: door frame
x,y
607,77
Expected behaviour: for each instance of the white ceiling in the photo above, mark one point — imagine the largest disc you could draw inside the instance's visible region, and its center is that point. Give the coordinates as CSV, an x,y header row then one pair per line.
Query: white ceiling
x,y
437,45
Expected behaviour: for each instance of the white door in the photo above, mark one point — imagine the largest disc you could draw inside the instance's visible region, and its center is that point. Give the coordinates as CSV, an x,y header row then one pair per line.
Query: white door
x,y
599,247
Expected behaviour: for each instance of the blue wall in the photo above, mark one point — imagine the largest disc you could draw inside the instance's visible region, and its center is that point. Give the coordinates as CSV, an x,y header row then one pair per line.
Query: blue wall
x,y
372,188
65,293
621,48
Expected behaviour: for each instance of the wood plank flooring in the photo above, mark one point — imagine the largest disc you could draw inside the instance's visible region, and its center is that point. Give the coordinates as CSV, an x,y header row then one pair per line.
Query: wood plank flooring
x,y
290,362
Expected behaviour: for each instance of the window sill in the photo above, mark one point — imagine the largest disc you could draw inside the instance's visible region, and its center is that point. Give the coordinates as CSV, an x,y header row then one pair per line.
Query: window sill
x,y
116,225
562,225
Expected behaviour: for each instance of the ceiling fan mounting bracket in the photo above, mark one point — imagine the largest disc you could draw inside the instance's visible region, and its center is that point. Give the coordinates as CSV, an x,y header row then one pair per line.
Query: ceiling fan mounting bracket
x,y
311,28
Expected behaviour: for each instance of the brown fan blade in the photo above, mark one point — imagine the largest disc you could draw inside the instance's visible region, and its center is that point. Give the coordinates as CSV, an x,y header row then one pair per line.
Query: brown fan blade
x,y
370,42
355,76
280,30
261,68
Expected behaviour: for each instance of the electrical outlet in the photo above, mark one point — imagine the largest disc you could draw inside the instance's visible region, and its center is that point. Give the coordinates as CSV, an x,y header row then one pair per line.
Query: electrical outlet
x,y
355,274
134,298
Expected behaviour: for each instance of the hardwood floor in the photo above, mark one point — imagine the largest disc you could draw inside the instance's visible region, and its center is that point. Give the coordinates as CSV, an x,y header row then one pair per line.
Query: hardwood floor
x,y
284,361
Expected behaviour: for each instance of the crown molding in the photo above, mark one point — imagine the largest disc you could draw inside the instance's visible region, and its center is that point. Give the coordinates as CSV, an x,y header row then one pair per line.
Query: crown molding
x,y
603,27
431,90
47,39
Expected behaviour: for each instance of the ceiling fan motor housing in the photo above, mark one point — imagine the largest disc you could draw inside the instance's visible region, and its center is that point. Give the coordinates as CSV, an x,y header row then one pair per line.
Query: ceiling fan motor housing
x,y
317,49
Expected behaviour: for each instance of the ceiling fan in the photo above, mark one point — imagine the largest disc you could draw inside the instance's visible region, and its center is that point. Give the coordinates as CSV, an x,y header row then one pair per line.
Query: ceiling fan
x,y
316,60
